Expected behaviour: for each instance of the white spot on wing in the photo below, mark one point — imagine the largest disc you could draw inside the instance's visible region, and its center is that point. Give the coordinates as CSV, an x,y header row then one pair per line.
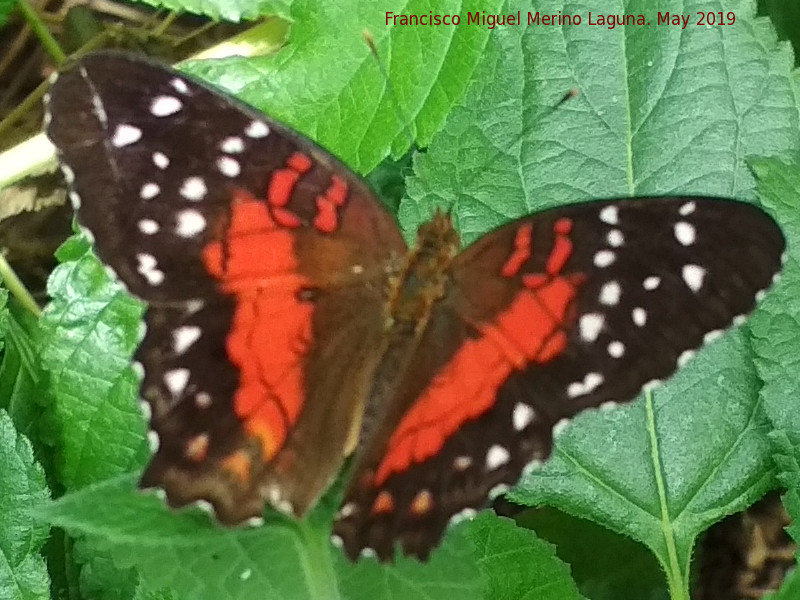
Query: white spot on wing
x,y
500,488
147,269
461,463
190,223
610,215
532,466
687,208
651,283
193,188
347,510
496,457
228,166
712,335
160,160
145,409
125,135
609,293
685,357
69,174
693,276
257,129
604,258
590,326
684,233
615,238
149,191
148,226
232,145
587,386
650,385
639,316
183,337
202,400
522,416
193,305
164,106
179,85
176,380
559,428
138,369
463,515
616,349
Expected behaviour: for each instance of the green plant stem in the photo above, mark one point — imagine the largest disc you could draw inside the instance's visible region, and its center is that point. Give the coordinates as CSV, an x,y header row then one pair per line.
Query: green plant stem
x,y
23,107
677,580
42,32
17,288
161,29
317,563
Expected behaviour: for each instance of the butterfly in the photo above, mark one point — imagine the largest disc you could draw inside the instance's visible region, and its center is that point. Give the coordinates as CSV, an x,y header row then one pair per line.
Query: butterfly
x,y
289,325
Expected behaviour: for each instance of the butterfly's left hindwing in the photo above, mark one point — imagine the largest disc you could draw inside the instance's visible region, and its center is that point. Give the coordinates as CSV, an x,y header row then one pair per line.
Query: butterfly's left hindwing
x,y
557,312
258,255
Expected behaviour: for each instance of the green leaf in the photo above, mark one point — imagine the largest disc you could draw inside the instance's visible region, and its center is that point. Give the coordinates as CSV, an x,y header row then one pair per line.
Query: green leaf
x,y
664,469
775,332
786,16
229,10
89,332
23,575
6,6
661,110
776,327
349,109
20,374
188,553
517,565
624,569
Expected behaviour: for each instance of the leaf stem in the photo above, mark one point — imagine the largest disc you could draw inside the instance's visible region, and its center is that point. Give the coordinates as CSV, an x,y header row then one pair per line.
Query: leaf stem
x,y
41,31
17,288
677,580
317,563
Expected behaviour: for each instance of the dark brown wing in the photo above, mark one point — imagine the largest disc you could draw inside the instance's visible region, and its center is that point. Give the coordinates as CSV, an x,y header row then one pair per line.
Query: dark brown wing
x,y
263,261
563,310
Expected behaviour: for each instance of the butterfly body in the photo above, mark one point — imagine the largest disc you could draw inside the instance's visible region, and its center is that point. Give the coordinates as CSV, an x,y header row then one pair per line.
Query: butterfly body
x,y
289,326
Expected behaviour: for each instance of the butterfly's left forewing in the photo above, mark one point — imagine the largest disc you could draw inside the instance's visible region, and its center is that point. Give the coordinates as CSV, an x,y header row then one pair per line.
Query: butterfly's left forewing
x,y
258,255
557,312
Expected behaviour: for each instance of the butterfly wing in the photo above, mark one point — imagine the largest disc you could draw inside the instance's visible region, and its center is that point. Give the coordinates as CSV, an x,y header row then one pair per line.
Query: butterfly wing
x,y
554,313
262,259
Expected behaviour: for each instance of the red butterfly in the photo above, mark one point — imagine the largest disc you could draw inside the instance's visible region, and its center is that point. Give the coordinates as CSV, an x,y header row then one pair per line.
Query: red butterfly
x,y
289,325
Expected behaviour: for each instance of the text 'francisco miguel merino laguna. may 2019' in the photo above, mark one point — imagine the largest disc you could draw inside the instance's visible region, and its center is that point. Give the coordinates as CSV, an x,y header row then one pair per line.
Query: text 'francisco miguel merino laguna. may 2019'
x,y
610,21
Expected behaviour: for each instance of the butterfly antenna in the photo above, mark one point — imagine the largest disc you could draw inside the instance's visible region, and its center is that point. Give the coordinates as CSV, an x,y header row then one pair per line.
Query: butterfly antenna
x,y
401,117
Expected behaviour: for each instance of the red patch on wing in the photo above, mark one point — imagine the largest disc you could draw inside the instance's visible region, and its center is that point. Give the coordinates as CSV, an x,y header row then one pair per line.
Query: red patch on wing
x,y
522,250
531,329
281,185
271,327
328,204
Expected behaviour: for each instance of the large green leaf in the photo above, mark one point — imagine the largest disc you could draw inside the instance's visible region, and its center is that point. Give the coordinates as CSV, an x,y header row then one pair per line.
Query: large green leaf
x,y
775,331
327,85
89,331
23,575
